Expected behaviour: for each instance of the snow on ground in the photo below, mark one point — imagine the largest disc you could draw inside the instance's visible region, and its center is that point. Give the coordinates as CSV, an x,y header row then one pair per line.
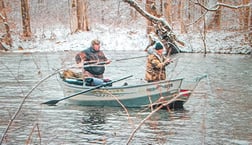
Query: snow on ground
x,y
216,42
129,39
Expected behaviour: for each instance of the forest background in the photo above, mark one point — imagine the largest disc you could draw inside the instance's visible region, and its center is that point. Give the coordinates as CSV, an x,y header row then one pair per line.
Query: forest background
x,y
210,26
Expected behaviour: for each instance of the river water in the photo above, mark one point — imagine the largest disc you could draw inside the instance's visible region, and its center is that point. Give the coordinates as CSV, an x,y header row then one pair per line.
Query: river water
x,y
218,113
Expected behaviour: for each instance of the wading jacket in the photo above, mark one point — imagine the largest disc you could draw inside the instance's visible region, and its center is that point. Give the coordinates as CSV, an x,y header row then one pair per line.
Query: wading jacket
x,y
90,55
155,68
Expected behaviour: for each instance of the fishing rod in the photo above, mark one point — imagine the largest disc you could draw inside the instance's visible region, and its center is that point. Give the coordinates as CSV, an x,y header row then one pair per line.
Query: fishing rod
x,y
131,58
96,62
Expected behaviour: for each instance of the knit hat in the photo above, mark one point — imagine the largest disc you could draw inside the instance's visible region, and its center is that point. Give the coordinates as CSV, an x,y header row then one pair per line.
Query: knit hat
x,y
158,46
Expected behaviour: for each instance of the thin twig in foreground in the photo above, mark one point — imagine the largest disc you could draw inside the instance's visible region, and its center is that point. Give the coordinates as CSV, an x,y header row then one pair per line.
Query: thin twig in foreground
x,y
154,111
21,105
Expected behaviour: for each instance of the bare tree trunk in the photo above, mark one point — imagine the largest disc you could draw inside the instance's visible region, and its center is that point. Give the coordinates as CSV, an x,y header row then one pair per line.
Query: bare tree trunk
x,y
73,16
79,19
168,11
179,10
216,22
82,15
204,33
250,26
25,18
151,8
246,18
133,14
161,7
182,12
3,19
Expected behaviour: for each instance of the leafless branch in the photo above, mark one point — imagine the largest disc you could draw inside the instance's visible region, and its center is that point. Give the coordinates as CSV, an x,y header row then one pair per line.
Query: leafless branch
x,y
234,7
163,29
2,17
162,104
218,5
125,109
28,141
22,103
150,17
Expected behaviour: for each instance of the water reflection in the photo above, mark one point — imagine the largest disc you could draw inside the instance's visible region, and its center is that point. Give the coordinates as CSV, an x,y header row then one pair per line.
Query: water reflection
x,y
94,117
93,121
218,113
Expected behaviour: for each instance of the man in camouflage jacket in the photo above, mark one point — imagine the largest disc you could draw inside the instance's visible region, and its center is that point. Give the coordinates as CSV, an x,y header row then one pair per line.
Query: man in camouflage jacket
x,y
155,67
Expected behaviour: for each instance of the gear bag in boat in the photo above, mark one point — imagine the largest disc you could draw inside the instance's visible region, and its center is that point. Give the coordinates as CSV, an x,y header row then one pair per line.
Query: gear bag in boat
x,y
96,81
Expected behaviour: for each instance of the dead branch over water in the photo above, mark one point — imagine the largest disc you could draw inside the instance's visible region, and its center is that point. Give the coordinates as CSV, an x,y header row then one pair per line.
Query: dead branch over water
x,y
162,104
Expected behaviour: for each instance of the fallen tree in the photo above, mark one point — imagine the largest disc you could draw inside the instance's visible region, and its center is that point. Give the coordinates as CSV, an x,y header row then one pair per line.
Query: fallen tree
x,y
162,30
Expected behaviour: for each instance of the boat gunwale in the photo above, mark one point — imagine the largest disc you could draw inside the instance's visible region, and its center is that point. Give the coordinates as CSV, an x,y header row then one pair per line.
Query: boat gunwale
x,y
171,90
123,87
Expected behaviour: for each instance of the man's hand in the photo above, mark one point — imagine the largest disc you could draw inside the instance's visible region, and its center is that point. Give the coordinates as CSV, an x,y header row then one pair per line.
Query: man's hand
x,y
108,61
104,62
168,61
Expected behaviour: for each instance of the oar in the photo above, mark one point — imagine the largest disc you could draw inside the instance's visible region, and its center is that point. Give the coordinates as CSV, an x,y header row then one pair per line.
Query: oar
x,y
54,102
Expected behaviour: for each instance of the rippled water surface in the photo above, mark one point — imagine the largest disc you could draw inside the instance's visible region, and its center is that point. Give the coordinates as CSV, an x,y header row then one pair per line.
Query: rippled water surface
x,y
219,111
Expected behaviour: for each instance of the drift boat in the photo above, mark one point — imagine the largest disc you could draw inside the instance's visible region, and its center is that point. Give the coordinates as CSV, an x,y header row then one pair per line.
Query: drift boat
x,y
127,95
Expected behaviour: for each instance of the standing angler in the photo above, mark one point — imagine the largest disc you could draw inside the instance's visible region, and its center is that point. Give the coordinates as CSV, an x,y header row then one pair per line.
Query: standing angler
x,y
92,59
156,63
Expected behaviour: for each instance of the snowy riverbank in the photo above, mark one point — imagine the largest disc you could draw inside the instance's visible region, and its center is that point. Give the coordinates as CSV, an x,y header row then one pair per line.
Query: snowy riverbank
x,y
126,39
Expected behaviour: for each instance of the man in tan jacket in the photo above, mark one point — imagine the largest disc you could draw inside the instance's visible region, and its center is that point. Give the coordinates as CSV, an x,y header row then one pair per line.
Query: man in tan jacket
x,y
156,62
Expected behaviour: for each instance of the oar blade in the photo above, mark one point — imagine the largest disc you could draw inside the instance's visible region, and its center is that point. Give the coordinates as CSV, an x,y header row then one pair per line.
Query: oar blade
x,y
51,102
